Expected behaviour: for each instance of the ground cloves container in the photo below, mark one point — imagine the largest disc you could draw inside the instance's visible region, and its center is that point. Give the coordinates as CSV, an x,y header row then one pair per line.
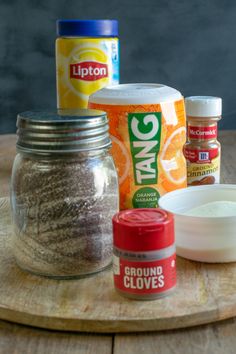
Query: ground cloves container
x,y
64,192
144,260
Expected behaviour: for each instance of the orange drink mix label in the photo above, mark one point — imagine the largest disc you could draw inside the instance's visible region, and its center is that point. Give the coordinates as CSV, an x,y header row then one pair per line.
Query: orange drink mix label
x,y
148,131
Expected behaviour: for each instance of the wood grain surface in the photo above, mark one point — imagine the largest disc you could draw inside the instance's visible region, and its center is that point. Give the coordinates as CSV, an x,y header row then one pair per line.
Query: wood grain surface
x,y
15,339
208,339
211,339
204,293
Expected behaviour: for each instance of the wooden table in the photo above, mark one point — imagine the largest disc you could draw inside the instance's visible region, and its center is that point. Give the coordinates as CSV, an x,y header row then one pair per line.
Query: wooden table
x,y
215,338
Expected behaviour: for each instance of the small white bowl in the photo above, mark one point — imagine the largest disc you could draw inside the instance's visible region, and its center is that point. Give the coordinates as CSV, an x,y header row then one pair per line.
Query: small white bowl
x,y
204,239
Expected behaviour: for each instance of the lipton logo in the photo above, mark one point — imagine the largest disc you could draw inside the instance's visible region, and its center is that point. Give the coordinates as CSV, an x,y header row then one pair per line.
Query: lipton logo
x,y
88,71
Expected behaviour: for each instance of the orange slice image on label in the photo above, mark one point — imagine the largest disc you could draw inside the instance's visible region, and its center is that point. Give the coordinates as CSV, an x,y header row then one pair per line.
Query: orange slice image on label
x,y
120,153
172,160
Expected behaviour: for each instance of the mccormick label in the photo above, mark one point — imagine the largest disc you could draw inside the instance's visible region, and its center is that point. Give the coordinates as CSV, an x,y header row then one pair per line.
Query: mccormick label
x,y
203,166
202,133
143,278
201,156
88,71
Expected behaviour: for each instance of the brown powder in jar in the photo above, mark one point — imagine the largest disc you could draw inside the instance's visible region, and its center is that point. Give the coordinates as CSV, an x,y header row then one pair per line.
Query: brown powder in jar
x,y
63,211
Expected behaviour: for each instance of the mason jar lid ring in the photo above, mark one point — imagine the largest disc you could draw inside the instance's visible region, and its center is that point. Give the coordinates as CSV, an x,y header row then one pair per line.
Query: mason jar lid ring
x,y
62,131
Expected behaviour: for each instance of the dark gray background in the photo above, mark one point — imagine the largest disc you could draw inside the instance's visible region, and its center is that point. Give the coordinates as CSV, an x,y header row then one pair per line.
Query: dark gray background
x,y
189,45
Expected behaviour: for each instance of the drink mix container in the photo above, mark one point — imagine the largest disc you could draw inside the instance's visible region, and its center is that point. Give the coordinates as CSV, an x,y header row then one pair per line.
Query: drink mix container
x,y
148,131
87,59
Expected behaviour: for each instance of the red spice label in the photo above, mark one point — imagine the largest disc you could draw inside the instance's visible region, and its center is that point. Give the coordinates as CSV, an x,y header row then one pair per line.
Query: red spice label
x,y
88,71
201,155
144,277
202,133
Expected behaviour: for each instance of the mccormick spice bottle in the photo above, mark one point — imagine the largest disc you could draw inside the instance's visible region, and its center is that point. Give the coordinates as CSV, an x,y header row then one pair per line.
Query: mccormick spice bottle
x,y
87,59
202,150
144,260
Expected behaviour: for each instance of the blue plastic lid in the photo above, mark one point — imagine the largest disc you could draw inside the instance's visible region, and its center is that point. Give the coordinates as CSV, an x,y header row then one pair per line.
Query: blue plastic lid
x,y
87,28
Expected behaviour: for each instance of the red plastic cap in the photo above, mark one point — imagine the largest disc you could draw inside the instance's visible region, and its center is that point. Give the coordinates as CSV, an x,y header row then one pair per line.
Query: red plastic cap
x,y
143,229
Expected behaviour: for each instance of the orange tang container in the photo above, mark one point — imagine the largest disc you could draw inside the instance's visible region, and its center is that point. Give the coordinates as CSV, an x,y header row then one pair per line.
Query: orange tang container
x,y
148,131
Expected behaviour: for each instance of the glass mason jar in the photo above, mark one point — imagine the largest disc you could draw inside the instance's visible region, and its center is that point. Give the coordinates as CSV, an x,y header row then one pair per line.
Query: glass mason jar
x,y
64,192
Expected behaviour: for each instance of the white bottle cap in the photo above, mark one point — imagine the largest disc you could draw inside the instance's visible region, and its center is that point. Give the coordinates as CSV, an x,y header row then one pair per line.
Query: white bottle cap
x,y
203,106
128,94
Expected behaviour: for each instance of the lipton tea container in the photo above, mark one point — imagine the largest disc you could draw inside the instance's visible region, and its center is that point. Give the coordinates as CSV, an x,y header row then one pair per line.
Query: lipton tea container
x,y
87,59
148,131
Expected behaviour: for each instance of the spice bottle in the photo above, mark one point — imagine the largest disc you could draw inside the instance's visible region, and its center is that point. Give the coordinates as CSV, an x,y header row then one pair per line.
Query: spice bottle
x,y
64,192
87,59
144,260
202,149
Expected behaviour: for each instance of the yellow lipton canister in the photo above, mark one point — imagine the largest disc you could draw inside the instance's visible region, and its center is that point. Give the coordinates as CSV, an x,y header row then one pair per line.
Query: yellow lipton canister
x,y
148,131
87,59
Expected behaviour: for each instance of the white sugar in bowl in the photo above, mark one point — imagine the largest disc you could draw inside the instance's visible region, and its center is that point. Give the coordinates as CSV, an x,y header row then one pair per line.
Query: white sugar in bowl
x,y
205,222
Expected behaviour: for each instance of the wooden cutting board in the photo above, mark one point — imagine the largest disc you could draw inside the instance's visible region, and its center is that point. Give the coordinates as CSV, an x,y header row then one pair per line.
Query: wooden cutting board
x,y
205,293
